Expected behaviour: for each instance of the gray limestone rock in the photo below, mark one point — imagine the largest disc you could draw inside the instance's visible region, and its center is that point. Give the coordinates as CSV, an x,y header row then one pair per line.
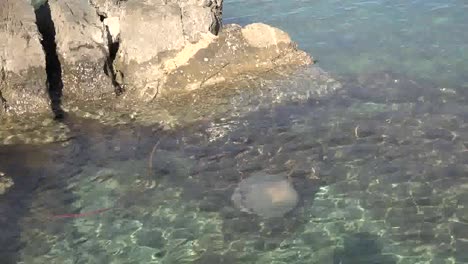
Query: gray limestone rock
x,y
238,51
148,33
152,34
150,48
178,64
23,87
82,48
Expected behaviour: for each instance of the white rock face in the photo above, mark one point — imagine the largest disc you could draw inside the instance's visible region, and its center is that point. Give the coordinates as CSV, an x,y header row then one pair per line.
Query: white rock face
x,y
150,34
113,26
260,35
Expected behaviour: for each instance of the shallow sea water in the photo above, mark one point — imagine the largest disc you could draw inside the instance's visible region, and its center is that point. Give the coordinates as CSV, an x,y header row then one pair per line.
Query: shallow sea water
x,y
381,169
424,39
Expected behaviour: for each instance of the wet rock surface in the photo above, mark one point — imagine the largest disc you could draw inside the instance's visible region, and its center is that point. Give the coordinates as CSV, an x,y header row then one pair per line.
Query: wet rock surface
x,y
36,129
92,50
182,109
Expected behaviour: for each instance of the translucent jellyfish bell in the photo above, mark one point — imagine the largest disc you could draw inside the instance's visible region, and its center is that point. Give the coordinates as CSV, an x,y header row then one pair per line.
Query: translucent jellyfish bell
x,y
265,195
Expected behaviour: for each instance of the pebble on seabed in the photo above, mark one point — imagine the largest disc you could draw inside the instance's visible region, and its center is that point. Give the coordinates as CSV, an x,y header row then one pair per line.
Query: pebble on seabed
x,y
5,183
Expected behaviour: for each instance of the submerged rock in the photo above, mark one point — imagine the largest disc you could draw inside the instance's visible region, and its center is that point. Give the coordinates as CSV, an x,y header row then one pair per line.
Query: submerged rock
x,y
265,195
5,183
22,61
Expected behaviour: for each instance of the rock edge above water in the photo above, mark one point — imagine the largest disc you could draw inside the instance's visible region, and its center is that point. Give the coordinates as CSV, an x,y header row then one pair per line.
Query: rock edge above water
x,y
142,49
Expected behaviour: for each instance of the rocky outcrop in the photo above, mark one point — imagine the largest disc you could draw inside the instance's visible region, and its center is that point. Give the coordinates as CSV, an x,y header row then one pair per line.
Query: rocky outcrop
x,y
23,85
161,46
86,36
149,33
196,15
182,65
149,49
82,48
236,53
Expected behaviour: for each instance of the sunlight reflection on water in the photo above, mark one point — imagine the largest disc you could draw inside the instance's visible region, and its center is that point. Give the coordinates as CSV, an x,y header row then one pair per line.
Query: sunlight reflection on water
x,y
380,169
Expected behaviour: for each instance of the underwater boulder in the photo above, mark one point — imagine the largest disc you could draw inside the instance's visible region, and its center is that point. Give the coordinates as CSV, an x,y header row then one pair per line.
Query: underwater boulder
x,y
5,183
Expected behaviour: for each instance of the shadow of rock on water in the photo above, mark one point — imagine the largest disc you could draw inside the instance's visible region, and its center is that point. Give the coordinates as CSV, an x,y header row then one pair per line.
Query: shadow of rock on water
x,y
33,170
42,175
362,248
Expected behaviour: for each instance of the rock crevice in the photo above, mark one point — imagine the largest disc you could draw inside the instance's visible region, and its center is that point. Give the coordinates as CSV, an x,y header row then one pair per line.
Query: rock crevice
x,y
111,34
3,101
46,28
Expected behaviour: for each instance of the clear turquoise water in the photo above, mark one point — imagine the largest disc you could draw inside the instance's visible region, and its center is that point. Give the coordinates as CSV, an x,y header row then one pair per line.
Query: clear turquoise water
x,y
381,169
422,39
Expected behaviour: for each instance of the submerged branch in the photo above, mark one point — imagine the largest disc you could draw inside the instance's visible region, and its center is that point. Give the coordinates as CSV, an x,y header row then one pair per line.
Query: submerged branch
x,y
150,160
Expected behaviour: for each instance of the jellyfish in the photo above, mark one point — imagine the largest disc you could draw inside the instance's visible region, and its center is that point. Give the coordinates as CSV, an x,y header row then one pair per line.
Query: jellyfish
x,y
265,195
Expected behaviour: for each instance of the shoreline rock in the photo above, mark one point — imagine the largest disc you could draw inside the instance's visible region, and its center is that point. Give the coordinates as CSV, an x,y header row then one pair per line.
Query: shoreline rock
x,y
230,99
212,60
234,53
161,57
153,38
23,78
82,49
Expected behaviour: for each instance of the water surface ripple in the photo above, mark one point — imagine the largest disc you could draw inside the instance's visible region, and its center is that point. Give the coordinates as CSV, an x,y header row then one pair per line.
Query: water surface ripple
x,y
422,39
380,169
